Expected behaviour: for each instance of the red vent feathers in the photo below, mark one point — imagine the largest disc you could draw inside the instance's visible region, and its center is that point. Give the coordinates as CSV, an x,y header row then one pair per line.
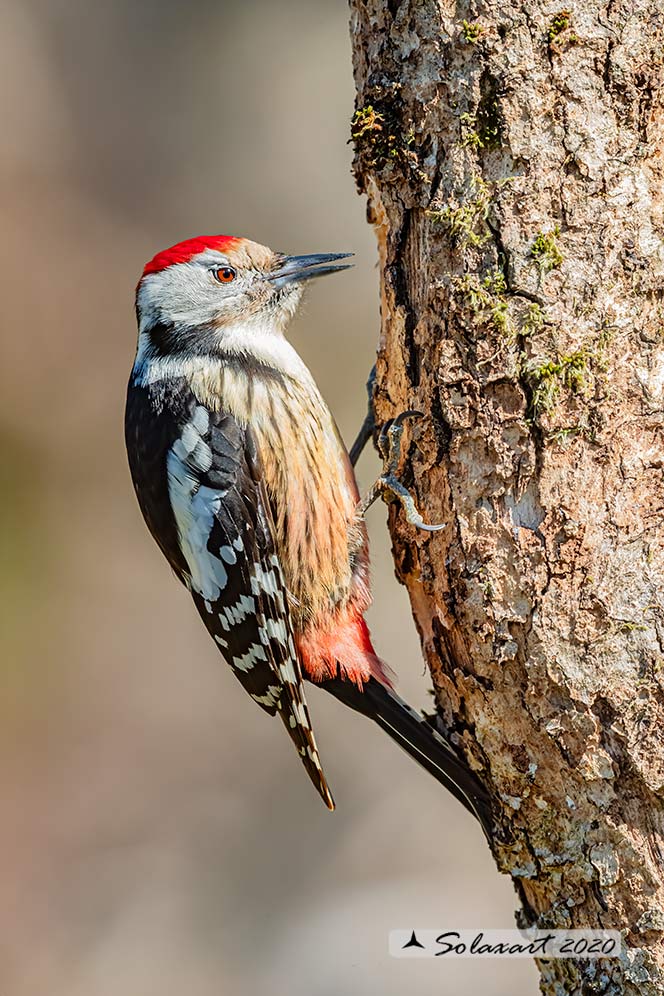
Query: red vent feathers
x,y
184,251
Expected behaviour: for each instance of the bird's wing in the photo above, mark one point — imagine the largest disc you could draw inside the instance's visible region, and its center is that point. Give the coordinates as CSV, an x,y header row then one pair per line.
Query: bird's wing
x,y
226,556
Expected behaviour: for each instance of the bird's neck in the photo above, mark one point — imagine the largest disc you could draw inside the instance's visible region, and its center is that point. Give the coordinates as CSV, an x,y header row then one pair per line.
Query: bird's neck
x,y
256,344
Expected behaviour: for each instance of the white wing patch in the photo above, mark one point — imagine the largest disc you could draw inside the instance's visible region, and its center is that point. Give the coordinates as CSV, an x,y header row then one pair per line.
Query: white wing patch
x,y
255,653
243,608
275,628
271,697
190,447
194,508
266,582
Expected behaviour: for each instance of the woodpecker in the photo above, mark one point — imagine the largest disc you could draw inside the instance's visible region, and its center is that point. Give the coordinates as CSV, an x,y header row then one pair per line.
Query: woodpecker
x,y
248,490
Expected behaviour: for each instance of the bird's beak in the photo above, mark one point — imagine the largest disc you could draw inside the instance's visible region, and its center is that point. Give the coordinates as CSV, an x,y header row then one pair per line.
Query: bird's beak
x,y
295,269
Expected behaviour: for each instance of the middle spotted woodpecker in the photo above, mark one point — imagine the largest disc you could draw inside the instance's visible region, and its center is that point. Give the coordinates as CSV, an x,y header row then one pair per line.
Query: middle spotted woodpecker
x,y
247,488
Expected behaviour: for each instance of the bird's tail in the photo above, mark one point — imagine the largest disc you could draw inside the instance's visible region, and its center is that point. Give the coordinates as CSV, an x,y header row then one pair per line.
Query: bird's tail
x,y
418,738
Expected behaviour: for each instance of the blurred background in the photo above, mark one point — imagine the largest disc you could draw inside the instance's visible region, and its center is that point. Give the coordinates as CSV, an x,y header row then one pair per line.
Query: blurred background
x,y
158,835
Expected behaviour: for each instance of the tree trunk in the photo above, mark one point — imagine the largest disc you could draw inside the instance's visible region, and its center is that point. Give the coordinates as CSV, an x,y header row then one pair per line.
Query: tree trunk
x,y
511,157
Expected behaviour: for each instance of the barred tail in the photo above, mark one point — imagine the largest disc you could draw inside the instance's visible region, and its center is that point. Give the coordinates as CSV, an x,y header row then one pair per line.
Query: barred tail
x,y
295,716
418,738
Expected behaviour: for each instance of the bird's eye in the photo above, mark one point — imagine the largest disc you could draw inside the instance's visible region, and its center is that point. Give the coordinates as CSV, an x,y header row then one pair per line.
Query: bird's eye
x,y
225,274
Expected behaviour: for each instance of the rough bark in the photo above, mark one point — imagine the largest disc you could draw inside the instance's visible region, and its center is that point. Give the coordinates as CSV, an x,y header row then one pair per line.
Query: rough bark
x,y
511,155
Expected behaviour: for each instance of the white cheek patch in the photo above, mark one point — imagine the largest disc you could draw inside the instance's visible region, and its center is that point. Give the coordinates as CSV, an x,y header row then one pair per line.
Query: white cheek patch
x,y
185,294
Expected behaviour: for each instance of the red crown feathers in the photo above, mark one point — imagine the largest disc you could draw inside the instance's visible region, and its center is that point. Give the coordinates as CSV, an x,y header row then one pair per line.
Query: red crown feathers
x,y
184,251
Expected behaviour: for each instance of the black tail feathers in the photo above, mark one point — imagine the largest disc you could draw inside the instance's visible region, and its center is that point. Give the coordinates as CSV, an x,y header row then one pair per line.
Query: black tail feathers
x,y
418,738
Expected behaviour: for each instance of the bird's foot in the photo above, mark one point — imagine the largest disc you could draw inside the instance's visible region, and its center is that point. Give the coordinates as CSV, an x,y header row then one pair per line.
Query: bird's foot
x,y
388,486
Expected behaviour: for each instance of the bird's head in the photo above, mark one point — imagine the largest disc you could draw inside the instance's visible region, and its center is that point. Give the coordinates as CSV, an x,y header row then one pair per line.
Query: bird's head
x,y
216,294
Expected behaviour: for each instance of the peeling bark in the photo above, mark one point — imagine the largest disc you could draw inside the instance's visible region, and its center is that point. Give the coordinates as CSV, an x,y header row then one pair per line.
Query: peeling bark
x,y
511,155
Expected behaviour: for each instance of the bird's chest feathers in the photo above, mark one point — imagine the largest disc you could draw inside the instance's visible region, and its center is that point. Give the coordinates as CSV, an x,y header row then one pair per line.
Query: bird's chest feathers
x,y
308,477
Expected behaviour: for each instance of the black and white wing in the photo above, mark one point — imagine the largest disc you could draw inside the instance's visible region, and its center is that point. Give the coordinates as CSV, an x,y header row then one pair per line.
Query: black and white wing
x,y
198,481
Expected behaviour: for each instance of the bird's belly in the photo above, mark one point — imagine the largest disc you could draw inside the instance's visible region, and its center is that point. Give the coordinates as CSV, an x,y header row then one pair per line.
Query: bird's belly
x,y
321,538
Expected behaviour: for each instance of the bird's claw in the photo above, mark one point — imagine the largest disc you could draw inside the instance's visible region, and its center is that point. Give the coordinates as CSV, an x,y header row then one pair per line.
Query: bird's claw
x,y
388,486
369,424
